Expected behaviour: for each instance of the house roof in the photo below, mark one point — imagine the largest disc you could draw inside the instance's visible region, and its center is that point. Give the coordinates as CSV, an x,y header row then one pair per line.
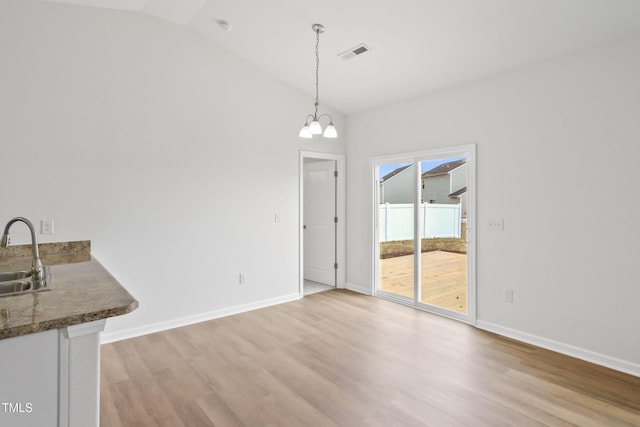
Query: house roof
x,y
458,193
394,173
444,168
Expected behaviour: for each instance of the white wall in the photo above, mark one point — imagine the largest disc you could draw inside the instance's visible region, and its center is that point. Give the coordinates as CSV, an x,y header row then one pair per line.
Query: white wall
x,y
545,135
148,140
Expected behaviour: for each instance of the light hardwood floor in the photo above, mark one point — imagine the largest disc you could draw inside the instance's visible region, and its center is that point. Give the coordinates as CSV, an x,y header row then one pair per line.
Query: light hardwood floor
x,y
338,358
443,278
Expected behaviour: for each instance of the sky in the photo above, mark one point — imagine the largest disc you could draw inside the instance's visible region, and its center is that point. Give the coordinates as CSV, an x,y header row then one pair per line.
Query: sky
x,y
424,165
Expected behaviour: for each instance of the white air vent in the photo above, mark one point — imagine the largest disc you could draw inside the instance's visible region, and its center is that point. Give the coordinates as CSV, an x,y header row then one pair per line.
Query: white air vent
x,y
354,51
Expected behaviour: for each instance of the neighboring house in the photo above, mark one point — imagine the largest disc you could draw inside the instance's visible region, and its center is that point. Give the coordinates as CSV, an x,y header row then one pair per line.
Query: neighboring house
x,y
446,184
397,186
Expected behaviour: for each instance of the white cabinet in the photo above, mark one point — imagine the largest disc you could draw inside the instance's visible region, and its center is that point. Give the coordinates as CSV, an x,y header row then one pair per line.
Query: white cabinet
x,y
29,380
51,378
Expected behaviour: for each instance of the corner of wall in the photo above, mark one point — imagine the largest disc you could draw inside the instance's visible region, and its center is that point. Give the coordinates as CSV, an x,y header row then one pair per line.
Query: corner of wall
x,y
358,288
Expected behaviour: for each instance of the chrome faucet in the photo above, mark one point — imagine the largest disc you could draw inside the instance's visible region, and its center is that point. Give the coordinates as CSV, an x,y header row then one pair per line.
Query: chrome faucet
x,y
37,271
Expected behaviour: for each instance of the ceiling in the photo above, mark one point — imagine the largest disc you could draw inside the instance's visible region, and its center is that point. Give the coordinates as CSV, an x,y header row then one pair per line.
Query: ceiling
x,y
417,46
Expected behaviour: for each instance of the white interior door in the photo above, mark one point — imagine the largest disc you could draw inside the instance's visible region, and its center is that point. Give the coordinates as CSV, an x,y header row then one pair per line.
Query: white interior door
x,y
319,227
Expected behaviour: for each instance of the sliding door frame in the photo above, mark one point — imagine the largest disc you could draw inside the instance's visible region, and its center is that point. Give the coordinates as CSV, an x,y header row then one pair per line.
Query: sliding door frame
x,y
468,151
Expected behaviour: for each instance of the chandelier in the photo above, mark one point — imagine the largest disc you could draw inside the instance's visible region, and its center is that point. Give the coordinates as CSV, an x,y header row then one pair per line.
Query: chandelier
x,y
313,128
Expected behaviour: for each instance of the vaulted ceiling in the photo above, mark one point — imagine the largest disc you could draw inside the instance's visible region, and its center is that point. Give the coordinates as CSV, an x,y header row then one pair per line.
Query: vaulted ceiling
x,y
416,46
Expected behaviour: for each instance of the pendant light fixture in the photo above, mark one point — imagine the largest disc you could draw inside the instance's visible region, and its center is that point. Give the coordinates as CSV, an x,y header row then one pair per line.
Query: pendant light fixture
x,y
313,127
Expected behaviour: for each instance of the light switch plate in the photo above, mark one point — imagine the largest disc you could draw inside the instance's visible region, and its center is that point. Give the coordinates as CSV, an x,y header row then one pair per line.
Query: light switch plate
x,y
496,225
508,295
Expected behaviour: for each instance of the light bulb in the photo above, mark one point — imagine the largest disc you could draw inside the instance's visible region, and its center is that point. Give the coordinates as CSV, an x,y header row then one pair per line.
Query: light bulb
x,y
315,128
305,132
330,132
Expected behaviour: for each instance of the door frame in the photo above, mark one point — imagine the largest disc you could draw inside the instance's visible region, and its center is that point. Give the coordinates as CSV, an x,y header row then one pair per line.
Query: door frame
x,y
340,209
469,151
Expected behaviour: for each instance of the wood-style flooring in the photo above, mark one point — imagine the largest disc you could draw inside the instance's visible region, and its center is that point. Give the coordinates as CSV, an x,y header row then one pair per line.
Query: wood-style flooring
x,y
443,278
338,358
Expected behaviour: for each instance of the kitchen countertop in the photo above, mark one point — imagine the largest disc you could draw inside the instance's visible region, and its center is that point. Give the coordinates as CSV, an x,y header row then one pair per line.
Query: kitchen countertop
x,y
82,292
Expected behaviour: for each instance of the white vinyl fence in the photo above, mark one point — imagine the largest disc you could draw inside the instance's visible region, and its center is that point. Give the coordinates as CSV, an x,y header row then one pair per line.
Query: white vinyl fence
x,y
437,220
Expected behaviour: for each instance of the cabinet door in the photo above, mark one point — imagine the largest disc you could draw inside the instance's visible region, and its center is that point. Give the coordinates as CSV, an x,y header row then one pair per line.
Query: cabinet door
x,y
29,380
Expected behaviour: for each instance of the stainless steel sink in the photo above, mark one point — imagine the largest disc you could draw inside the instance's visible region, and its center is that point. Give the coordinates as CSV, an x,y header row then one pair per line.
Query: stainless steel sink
x,y
22,281
14,275
14,287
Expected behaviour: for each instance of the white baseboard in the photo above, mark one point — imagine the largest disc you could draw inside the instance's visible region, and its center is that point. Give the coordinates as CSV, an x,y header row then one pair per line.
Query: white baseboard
x,y
108,337
577,352
358,288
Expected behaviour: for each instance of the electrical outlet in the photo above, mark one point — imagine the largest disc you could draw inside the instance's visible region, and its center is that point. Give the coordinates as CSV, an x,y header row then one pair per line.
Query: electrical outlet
x,y
496,225
508,295
242,278
46,226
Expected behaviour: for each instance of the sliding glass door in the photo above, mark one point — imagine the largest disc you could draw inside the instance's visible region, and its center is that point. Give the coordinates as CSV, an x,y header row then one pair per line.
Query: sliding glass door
x,y
423,213
397,238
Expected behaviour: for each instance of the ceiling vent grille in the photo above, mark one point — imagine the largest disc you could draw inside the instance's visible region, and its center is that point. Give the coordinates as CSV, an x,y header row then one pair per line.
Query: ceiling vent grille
x,y
354,51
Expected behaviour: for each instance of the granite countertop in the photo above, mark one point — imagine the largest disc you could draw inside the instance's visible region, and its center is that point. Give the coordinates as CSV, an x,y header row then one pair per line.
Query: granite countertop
x,y
82,292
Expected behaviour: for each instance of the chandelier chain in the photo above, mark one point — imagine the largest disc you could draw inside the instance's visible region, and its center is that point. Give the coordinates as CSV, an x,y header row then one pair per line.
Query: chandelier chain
x,y
317,103
312,122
